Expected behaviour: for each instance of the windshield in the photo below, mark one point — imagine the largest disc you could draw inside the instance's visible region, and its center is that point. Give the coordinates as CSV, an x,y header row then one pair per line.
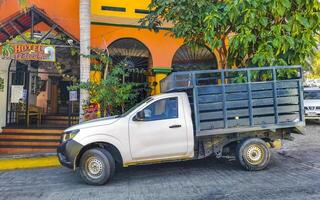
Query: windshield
x,y
136,106
312,94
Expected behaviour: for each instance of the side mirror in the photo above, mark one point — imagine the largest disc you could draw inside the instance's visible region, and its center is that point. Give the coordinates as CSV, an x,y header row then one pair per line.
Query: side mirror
x,y
139,116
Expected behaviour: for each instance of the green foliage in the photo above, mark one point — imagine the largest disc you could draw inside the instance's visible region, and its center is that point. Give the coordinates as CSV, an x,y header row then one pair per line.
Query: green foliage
x,y
100,59
314,71
260,32
114,94
7,50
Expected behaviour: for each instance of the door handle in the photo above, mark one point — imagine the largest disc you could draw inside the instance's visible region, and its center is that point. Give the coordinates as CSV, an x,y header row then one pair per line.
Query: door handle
x,y
175,126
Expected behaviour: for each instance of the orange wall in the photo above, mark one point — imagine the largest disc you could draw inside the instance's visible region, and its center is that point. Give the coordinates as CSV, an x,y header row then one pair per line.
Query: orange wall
x,y
161,45
63,12
66,13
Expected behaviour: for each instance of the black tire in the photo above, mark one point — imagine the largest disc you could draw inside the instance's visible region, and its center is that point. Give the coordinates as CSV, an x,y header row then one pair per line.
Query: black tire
x,y
97,166
253,154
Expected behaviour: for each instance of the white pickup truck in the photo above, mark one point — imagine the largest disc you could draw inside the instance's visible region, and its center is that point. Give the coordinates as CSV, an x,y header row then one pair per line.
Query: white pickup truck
x,y
194,118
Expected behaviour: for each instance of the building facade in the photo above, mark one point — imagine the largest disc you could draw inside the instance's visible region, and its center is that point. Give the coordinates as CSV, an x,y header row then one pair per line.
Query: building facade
x,y
114,26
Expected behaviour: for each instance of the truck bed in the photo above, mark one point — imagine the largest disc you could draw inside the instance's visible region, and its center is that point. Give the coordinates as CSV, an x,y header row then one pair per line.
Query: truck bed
x,y
223,103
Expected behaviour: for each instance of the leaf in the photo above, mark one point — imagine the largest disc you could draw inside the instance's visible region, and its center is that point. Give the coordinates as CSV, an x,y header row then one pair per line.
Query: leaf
x,y
303,21
286,3
263,21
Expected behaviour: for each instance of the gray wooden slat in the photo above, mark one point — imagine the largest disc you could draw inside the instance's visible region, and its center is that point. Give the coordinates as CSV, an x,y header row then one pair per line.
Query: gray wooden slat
x,y
259,86
263,111
219,114
211,115
271,119
288,117
263,120
287,92
211,106
236,88
262,102
288,100
204,90
219,124
211,125
288,109
287,84
209,99
219,105
262,94
237,104
270,110
237,96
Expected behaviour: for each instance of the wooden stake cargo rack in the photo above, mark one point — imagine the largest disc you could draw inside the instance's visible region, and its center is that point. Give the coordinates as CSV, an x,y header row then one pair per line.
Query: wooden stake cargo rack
x,y
241,100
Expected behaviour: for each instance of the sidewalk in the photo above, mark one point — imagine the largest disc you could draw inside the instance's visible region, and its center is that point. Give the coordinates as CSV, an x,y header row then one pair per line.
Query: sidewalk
x,y
27,161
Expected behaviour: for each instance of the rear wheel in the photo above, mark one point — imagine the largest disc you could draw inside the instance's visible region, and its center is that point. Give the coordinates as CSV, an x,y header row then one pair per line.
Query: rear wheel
x,y
253,154
97,166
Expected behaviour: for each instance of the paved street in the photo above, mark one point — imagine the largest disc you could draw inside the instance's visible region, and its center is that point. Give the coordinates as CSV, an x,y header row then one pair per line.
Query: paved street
x,y
294,173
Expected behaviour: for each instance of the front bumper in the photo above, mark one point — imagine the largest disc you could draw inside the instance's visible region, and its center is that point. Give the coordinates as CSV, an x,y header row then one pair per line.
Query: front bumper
x,y
67,153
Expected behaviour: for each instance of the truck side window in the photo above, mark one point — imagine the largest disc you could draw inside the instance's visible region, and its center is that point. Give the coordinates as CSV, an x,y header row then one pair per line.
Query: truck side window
x,y
162,109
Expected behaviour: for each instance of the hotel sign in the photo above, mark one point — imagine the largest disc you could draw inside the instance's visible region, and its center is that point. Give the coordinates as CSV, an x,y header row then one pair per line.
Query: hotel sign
x,y
38,52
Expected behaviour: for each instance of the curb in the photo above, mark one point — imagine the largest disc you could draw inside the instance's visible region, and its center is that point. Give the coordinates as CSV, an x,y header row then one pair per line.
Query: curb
x,y
25,162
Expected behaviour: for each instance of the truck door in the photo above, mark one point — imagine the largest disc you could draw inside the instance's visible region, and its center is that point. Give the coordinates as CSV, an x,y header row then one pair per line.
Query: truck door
x,y
161,132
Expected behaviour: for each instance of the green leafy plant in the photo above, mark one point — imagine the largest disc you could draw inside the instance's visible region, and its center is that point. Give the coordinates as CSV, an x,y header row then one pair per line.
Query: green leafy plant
x,y
114,94
7,50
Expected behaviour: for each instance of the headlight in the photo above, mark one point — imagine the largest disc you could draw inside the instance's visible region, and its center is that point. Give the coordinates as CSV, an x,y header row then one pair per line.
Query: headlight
x,y
70,134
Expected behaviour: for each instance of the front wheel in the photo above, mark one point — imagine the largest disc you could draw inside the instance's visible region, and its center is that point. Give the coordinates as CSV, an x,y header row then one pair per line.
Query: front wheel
x,y
253,154
97,166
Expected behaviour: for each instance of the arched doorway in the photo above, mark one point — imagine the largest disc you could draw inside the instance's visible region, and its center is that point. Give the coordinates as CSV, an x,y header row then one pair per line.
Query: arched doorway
x,y
189,58
136,58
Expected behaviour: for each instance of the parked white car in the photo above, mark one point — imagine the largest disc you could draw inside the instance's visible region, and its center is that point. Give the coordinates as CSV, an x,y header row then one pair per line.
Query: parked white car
x,y
312,103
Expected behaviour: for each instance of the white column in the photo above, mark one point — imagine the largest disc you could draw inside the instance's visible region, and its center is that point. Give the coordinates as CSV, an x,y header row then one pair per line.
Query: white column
x,y
85,31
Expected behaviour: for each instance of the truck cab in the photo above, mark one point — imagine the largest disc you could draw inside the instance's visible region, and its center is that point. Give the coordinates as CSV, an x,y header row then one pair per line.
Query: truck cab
x,y
160,128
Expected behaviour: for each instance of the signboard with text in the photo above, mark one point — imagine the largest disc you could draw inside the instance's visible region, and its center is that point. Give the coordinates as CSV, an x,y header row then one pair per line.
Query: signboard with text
x,y
38,52
73,96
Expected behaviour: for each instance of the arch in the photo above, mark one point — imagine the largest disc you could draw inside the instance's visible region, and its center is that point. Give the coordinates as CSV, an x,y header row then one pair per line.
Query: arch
x,y
194,58
131,50
136,58
134,55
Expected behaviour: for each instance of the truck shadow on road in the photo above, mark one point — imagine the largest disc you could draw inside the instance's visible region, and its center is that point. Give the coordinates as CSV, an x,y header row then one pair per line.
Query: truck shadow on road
x,y
186,169
180,170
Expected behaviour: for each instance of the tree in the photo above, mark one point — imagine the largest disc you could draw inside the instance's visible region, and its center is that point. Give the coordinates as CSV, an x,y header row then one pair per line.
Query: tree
x,y
244,32
113,93
85,32
314,70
